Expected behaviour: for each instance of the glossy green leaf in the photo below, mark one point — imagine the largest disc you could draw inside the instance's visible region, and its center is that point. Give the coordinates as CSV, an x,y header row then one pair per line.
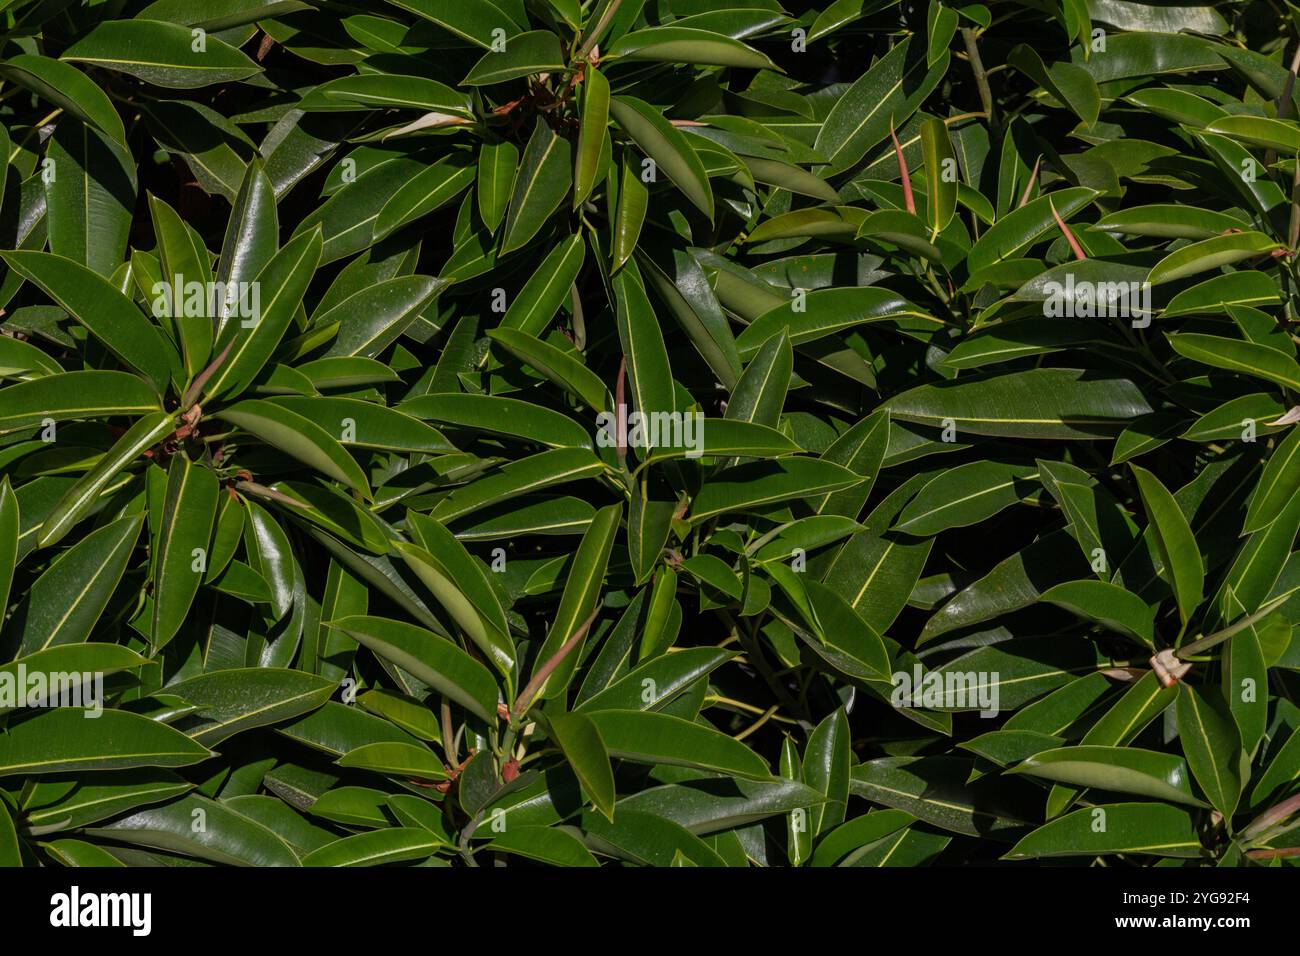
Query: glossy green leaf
x,y
579,740
64,604
162,54
535,52
647,737
668,148
1153,828
1212,744
434,660
541,183
104,311
376,848
61,739
1182,559
189,511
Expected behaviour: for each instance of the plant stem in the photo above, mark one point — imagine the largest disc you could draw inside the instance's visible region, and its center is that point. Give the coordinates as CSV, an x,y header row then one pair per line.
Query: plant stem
x,y
767,715
449,735
466,834
981,76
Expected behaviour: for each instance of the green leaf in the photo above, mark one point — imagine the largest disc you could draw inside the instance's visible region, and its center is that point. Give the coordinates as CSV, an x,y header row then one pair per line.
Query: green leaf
x,y
860,832
1166,222
579,600
1234,355
162,54
1108,605
1070,85
367,323
824,312
649,522
545,845
251,340
528,53
934,789
1259,131
1021,228
1212,745
1145,773
648,737
434,660
427,191
461,584
673,44
629,216
941,175
103,310
297,436
966,495
90,204
378,90
395,759
100,797
1055,403
189,511
650,375
940,25
798,836
520,477
61,739
1184,568
339,728
251,236
541,183
63,84
547,288
227,837
885,95
239,699
395,845
10,523
774,172
671,674
760,394
670,150
748,487
363,424
691,300
1211,254
1154,828
707,805
497,161
556,365
474,23
826,767
1244,672
831,223
722,437
1277,486
1145,700
82,497
503,416
271,556
845,633
579,740
96,658
184,259
65,602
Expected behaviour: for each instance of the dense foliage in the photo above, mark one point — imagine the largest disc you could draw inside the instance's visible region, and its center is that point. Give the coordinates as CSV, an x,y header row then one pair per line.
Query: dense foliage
x,y
648,432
